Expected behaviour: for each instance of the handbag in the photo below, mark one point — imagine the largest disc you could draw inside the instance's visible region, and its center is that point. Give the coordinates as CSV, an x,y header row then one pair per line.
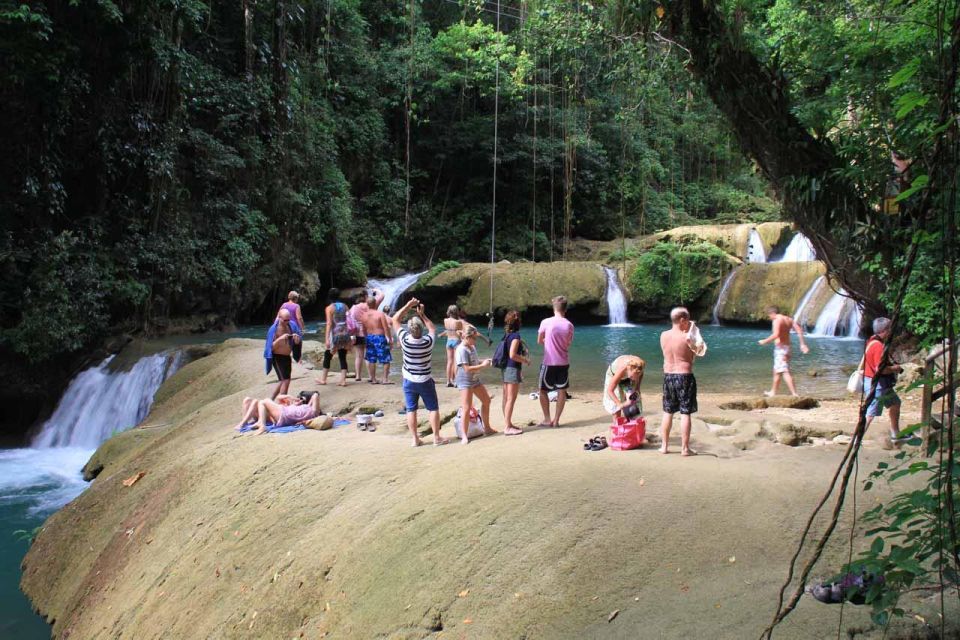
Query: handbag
x,y
855,383
475,426
627,434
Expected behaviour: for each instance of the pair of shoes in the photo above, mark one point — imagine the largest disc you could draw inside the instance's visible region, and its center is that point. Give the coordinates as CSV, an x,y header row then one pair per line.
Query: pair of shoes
x,y
596,443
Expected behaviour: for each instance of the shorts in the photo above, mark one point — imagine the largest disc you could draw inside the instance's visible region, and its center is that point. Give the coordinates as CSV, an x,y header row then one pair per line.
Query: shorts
x,y
679,393
553,377
359,341
885,397
283,365
512,375
378,350
453,343
413,392
781,358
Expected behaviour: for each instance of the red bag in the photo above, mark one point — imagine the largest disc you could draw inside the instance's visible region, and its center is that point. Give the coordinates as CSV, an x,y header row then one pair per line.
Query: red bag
x,y
627,434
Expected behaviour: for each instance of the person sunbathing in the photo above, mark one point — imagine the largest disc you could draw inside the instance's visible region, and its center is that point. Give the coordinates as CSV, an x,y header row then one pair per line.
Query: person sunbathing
x,y
285,411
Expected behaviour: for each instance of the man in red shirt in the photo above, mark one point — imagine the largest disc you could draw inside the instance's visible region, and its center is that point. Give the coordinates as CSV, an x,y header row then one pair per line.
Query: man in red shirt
x,y
885,378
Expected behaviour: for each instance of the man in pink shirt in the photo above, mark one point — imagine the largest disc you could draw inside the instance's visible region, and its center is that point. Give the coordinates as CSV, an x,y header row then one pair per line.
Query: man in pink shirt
x,y
555,335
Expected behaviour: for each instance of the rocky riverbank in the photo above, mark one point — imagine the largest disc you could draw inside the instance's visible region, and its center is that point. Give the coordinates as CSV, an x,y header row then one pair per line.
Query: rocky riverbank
x,y
351,534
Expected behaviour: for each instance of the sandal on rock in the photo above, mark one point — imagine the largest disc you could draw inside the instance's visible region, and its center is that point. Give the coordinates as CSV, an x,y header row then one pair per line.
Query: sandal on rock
x,y
599,444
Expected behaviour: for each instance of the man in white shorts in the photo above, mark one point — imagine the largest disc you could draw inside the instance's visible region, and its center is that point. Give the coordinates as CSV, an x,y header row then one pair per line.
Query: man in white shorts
x,y
780,337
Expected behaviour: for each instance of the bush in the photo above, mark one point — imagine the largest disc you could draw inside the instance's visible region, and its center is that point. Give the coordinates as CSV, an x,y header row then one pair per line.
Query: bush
x,y
434,271
670,274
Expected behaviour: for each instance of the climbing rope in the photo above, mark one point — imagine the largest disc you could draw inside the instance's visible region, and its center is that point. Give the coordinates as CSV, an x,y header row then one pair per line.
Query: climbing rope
x,y
493,204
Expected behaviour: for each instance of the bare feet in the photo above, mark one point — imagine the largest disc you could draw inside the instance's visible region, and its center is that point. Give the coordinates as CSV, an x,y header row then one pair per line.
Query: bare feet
x,y
464,440
417,443
546,424
489,431
342,384
511,430
260,431
555,425
688,452
438,441
768,394
320,381
663,448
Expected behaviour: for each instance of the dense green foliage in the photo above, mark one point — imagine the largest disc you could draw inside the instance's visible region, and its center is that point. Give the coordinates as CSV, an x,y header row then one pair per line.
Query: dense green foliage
x,y
175,157
671,274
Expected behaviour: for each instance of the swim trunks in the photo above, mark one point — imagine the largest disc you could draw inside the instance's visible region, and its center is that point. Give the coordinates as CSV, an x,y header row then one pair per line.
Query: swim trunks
x,y
781,358
679,393
453,343
553,377
283,365
378,350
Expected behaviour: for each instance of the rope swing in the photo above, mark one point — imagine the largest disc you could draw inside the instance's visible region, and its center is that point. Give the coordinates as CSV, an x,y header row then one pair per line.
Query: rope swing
x,y
493,204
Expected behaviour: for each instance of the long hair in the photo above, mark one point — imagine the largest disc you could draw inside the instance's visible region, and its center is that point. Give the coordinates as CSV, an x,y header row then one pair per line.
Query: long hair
x,y
511,321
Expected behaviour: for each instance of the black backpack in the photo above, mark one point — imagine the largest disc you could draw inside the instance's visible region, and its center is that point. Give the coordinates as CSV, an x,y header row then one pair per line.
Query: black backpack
x,y
500,355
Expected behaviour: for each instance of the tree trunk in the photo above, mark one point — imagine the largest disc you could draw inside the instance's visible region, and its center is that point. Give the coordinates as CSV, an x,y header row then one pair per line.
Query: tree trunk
x,y
805,171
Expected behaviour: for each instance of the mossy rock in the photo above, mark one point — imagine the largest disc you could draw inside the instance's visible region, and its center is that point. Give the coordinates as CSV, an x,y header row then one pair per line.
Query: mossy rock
x,y
522,286
758,286
732,238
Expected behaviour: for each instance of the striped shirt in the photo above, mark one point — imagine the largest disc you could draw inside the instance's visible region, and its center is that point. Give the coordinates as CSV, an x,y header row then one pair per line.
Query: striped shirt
x,y
416,356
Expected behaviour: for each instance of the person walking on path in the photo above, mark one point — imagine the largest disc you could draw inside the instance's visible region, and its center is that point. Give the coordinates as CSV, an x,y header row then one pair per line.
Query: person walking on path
x,y
357,312
556,335
885,377
336,337
468,382
782,325
379,340
679,385
416,343
512,376
281,339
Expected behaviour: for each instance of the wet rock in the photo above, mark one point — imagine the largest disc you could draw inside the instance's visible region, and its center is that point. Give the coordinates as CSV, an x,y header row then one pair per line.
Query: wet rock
x,y
779,402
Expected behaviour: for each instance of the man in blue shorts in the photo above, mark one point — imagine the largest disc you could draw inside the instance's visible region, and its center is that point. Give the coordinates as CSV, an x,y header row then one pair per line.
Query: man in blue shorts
x,y
416,342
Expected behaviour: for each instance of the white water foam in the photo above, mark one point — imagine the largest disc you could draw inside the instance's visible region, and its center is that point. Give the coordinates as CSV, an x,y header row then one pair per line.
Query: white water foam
x,y
393,288
44,479
841,317
800,249
99,402
616,301
755,249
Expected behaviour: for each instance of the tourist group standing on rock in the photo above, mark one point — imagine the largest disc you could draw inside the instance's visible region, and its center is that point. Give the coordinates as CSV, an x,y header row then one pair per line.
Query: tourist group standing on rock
x,y
369,331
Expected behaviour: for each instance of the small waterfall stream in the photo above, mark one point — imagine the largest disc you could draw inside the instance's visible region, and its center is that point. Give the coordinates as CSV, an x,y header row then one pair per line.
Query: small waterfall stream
x,y
841,317
715,320
800,249
99,401
616,301
393,288
800,315
755,250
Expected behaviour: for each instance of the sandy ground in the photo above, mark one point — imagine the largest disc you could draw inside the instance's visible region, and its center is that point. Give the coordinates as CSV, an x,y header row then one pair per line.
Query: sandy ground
x,y
348,534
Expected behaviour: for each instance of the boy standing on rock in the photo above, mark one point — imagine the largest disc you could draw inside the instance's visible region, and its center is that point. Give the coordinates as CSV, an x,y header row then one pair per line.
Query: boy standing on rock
x,y
780,337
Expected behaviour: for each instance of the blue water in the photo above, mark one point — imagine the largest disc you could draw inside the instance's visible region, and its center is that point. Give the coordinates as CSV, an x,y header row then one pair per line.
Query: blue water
x,y
34,483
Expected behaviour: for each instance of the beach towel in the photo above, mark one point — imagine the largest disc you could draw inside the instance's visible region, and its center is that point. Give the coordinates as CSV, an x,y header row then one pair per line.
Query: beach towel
x,y
268,346
274,429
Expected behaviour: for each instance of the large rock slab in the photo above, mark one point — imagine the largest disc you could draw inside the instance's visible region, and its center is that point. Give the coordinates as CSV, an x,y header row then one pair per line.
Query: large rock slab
x,y
732,238
757,286
525,286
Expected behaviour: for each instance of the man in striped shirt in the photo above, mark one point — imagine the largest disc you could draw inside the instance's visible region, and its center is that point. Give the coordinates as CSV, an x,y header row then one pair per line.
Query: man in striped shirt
x,y
416,342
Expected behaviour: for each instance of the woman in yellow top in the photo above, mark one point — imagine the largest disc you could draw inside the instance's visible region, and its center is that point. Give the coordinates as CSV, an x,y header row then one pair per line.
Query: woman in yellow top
x,y
621,386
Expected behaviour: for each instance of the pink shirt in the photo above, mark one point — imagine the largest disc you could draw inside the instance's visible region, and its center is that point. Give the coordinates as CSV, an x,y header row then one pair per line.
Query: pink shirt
x,y
294,413
557,335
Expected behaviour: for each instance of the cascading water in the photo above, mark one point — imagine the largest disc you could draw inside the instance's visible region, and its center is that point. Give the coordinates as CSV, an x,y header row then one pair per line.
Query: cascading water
x,y
755,250
393,288
841,317
616,301
800,249
99,401
715,321
800,315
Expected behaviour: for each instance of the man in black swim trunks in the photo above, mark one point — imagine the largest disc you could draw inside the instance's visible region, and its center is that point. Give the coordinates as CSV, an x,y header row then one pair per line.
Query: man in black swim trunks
x,y
283,341
679,385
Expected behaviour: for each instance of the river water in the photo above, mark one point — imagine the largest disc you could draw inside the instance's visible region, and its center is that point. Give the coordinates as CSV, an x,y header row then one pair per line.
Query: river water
x,y
35,482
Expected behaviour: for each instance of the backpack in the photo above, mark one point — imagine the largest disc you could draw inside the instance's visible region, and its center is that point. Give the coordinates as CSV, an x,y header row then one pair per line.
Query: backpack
x,y
500,355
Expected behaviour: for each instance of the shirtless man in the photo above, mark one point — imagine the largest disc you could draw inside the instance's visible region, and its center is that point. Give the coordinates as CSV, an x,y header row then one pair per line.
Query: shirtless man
x,y
781,348
282,349
357,312
378,338
679,385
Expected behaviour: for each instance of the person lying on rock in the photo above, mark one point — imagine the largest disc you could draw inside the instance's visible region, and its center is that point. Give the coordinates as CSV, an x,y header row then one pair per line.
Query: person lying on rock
x,y
284,411
621,387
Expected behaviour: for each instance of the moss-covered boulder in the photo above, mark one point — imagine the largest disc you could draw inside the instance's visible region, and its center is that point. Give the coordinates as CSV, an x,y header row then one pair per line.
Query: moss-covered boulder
x,y
525,286
732,238
757,286
670,274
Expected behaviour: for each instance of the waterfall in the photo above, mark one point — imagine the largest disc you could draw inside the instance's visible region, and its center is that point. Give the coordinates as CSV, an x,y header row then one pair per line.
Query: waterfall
x,y
755,250
616,301
715,321
800,315
393,288
840,317
99,402
800,249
